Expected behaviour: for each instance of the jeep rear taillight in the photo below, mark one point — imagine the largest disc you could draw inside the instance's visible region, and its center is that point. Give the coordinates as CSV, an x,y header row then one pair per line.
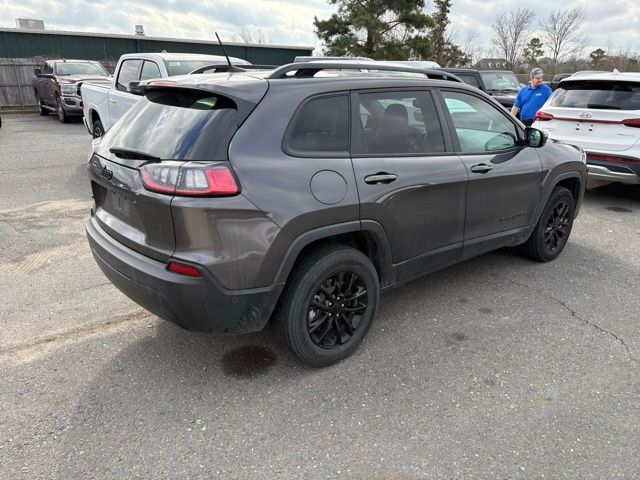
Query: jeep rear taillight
x,y
189,180
543,116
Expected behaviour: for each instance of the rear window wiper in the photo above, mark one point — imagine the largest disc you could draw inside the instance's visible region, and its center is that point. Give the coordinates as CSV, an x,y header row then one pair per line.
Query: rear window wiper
x,y
600,105
131,154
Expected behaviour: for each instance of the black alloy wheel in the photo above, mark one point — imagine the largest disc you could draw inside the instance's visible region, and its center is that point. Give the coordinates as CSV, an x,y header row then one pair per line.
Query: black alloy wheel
x,y
552,231
336,309
98,129
557,228
328,305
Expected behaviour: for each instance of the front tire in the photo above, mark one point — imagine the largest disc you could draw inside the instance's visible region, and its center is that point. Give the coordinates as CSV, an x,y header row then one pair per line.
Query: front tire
x,y
62,115
328,305
553,228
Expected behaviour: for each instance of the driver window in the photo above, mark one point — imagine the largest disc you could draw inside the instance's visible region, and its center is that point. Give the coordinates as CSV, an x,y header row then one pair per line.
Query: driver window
x,y
480,126
128,73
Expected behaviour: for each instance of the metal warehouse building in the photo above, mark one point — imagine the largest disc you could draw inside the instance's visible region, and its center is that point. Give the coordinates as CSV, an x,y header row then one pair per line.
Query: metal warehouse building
x,y
22,49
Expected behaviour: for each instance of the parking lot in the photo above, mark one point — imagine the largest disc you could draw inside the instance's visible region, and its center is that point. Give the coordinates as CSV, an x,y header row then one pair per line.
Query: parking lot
x,y
498,367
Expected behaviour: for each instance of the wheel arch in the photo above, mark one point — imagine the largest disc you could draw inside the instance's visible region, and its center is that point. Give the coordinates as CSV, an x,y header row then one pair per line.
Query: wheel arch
x,y
368,237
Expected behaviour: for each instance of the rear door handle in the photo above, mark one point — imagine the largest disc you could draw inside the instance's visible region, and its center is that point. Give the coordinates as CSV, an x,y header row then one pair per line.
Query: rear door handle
x,y
381,177
481,168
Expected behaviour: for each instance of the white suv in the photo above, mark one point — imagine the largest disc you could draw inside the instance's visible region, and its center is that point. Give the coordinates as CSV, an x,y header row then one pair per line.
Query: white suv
x,y
600,112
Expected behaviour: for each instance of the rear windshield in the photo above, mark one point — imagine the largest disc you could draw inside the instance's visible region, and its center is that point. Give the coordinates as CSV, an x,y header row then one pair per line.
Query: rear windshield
x,y
176,125
83,68
610,95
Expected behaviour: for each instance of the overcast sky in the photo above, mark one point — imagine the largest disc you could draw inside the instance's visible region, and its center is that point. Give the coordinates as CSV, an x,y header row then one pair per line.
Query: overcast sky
x,y
609,23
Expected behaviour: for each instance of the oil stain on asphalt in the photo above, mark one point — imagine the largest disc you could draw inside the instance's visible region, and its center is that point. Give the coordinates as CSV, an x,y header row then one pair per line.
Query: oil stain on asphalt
x,y
247,361
619,209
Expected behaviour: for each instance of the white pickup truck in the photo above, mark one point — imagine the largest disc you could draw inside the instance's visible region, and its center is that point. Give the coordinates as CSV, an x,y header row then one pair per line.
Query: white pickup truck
x,y
104,104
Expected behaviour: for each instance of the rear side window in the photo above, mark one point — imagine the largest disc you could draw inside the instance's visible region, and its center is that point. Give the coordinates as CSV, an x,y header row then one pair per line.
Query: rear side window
x,y
176,124
468,79
319,127
610,95
149,70
128,73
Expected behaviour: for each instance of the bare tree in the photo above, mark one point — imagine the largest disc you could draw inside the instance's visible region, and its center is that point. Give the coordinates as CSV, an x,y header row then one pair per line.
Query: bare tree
x,y
561,32
247,36
511,31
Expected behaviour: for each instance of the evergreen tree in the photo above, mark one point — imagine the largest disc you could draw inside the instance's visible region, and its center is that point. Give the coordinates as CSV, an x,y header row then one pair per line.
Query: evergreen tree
x,y
379,29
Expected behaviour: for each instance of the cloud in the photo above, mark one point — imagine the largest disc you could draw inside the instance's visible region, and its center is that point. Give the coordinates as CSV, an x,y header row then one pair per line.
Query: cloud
x,y
290,22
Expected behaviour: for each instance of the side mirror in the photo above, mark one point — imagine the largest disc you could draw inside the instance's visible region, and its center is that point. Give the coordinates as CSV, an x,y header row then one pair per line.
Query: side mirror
x,y
37,71
135,88
535,138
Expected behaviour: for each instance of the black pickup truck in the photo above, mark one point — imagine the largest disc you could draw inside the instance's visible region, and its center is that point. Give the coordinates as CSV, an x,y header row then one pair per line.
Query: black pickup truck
x,y
501,84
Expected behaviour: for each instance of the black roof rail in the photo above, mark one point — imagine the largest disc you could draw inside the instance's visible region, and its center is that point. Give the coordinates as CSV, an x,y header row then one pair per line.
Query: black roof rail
x,y
223,67
309,69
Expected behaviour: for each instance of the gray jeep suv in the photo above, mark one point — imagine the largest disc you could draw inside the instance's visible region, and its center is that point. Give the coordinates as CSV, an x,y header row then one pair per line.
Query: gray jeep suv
x,y
297,195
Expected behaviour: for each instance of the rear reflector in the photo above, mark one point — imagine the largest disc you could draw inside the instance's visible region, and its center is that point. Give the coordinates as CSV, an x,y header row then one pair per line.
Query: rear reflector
x,y
190,179
611,158
543,116
183,269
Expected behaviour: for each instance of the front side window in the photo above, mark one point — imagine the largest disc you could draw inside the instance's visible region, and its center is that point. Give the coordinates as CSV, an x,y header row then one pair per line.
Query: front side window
x,y
128,73
479,125
320,126
399,123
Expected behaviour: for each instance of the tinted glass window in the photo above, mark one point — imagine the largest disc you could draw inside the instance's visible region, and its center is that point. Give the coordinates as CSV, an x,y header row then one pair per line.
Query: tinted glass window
x,y
597,94
322,125
399,123
466,78
149,70
67,68
479,125
176,125
128,73
500,81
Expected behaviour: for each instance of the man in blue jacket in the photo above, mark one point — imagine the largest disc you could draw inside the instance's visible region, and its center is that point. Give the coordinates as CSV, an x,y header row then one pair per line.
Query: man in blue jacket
x,y
531,98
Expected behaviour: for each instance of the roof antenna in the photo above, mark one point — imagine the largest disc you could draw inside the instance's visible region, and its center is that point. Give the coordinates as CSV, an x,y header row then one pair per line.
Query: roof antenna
x,y
231,67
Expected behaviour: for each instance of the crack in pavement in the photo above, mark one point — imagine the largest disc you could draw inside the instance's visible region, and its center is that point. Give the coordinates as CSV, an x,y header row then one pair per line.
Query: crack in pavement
x,y
35,346
585,321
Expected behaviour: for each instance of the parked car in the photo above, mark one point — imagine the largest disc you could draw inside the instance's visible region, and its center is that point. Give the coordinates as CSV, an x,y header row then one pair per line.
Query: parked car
x,y
104,104
225,200
556,79
601,113
57,85
501,84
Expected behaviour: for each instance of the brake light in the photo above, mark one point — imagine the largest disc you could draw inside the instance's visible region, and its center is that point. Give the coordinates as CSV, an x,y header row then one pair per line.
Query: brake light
x,y
632,122
183,269
163,83
543,116
191,180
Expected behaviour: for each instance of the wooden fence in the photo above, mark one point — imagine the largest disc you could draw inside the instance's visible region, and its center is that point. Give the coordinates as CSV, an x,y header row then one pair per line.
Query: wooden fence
x,y
16,91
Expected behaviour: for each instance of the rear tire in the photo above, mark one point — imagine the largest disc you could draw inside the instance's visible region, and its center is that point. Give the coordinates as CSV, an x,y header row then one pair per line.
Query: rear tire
x,y
41,109
552,231
98,129
328,305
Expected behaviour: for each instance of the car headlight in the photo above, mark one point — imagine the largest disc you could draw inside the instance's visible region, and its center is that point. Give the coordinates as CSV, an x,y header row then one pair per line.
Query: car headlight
x,y
68,89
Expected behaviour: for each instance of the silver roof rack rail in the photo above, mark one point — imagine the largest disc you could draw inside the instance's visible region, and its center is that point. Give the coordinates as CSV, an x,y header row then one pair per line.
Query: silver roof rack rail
x,y
309,69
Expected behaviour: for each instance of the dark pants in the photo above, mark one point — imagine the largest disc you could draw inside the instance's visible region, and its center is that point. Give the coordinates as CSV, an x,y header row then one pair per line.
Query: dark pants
x,y
527,123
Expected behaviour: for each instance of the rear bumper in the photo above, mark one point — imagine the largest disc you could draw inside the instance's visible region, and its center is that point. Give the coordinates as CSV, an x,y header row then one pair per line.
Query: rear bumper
x,y
626,170
198,304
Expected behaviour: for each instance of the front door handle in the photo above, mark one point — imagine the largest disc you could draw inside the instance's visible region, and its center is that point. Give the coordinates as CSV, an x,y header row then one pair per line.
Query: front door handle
x,y
481,168
380,177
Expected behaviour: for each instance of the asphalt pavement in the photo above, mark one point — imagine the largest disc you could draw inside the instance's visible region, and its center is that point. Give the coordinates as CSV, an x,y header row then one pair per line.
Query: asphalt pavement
x,y
498,367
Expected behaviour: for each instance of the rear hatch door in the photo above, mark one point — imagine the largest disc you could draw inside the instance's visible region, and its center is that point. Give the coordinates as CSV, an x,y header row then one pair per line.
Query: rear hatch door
x,y
170,126
595,114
